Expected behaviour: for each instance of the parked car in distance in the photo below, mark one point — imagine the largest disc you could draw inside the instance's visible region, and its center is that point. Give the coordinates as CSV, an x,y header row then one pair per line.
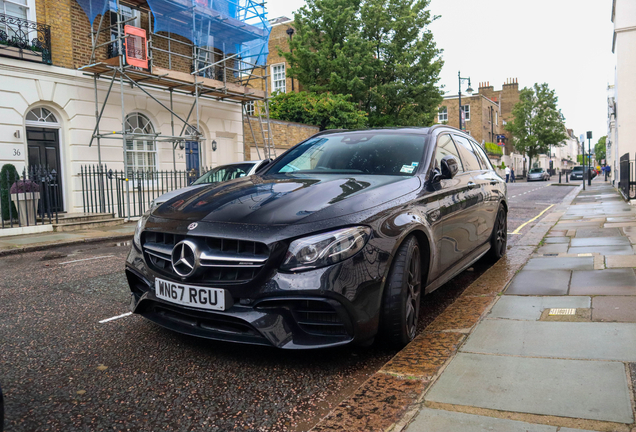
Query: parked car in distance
x,y
578,171
538,174
335,242
216,175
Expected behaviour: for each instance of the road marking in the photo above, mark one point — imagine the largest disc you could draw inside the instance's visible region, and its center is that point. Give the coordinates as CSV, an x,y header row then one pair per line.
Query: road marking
x,y
115,317
533,219
513,196
87,259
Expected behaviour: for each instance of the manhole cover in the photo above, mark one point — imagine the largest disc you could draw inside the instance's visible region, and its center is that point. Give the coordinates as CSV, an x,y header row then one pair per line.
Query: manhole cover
x,y
561,311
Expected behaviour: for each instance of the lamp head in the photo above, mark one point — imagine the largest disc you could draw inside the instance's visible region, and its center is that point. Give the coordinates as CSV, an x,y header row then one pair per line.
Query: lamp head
x,y
213,145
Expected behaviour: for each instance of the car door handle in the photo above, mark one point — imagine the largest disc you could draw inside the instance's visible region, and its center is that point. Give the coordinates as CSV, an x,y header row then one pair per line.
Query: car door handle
x,y
471,184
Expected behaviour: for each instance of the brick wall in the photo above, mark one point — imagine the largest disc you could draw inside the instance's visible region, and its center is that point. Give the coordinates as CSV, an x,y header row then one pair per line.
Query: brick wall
x,y
57,14
284,134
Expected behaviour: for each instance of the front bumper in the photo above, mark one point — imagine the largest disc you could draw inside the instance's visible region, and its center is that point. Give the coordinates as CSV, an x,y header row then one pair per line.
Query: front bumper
x,y
327,307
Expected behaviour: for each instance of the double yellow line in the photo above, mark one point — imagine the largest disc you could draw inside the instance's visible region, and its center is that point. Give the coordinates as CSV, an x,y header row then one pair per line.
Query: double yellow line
x,y
531,220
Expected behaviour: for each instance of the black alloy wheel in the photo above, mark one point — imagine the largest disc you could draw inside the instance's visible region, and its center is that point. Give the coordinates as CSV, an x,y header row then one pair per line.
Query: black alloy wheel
x,y
499,237
402,296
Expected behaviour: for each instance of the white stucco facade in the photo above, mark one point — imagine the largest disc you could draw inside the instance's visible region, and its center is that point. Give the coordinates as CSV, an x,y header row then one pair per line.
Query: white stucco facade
x,y
70,96
624,46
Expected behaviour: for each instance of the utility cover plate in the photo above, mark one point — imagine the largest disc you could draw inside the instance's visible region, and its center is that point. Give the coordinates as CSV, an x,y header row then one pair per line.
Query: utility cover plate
x,y
562,311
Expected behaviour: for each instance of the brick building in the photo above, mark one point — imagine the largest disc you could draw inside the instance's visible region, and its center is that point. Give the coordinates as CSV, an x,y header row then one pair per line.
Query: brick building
x,y
42,87
284,134
486,111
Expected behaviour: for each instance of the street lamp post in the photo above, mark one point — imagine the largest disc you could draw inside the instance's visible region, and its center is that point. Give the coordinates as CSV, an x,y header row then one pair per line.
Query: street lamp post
x,y
290,33
589,157
469,90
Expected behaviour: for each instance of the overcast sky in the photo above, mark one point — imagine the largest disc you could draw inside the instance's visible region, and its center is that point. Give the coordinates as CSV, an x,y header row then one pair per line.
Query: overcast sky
x,y
565,43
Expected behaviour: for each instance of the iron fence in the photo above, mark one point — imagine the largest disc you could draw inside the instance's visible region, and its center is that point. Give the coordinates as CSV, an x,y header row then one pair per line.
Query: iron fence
x,y
108,191
627,181
32,198
25,39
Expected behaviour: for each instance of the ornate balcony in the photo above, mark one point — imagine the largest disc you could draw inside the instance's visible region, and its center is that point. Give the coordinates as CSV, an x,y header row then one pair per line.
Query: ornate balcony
x,y
25,39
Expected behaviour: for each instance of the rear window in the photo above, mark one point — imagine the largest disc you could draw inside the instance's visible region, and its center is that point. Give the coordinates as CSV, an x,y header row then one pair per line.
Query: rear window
x,y
225,173
375,153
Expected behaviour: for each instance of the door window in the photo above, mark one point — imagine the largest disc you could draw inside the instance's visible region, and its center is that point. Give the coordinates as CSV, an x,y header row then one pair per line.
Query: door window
x,y
483,158
445,147
471,163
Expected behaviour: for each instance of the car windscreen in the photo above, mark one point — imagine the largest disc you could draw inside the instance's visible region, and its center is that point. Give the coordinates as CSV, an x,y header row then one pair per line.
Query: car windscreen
x,y
225,173
369,152
577,168
536,170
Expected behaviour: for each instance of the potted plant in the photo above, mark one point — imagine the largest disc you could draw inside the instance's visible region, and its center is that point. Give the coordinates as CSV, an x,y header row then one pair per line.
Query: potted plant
x,y
25,194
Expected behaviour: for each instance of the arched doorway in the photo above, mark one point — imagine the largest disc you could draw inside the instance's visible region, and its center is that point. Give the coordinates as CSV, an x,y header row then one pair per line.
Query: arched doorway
x,y
43,143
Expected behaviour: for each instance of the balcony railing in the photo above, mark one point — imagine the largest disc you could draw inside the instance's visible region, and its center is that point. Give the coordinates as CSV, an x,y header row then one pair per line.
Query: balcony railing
x,y
25,39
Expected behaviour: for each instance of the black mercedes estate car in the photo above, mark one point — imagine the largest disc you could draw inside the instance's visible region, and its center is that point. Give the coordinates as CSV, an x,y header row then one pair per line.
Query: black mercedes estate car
x,y
334,242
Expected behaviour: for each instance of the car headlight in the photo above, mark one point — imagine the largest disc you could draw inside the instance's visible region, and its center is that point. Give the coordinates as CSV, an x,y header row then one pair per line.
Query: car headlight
x,y
140,226
325,249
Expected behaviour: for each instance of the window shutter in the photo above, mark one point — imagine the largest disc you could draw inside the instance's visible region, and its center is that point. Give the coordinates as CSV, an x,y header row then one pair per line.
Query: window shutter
x,y
135,44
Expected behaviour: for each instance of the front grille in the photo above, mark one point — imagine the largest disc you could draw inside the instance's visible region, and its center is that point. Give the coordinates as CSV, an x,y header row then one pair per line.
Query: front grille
x,y
318,318
221,260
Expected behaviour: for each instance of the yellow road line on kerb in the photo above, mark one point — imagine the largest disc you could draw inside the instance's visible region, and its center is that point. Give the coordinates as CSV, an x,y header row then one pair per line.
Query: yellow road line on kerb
x,y
533,219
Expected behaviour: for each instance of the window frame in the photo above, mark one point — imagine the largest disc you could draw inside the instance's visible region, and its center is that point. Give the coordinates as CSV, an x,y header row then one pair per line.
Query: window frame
x,y
466,109
28,5
482,156
283,88
442,111
135,166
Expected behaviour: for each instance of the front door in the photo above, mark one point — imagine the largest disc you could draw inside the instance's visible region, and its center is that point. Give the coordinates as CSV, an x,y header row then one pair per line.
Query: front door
x,y
44,151
192,159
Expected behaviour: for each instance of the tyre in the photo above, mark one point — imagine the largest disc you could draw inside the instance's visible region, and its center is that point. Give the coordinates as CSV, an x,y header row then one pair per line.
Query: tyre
x,y
402,294
499,236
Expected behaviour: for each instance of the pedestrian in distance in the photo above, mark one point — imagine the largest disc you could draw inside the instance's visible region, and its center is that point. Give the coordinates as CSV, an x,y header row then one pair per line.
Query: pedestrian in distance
x,y
512,175
507,174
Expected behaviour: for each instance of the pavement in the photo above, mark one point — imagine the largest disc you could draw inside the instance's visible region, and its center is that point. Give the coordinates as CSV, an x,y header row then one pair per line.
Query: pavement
x,y
48,240
545,340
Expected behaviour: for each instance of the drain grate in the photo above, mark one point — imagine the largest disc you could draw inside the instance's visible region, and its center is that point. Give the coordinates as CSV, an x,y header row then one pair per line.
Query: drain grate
x,y
550,254
562,311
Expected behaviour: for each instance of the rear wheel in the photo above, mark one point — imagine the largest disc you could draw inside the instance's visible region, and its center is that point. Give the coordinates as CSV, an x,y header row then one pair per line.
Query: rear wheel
x,y
499,236
402,295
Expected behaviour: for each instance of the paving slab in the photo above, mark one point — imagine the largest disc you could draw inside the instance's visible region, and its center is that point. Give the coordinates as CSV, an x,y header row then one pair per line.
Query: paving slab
x,y
598,232
562,263
565,388
610,282
530,308
603,250
556,240
432,420
614,309
554,248
600,241
619,261
574,340
540,282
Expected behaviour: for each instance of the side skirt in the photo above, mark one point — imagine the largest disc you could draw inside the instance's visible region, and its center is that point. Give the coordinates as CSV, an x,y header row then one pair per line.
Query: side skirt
x,y
458,268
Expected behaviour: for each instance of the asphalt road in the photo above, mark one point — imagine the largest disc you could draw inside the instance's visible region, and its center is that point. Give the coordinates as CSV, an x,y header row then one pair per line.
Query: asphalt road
x,y
63,370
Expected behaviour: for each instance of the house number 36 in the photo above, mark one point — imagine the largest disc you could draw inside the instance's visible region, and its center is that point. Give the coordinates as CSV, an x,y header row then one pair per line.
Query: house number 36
x,y
16,152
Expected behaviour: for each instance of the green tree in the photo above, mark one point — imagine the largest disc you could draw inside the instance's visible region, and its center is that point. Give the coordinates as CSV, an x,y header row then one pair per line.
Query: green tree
x,y
538,123
378,51
600,149
325,110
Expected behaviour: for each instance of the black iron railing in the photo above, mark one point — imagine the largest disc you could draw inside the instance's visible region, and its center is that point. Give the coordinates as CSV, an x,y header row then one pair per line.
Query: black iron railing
x,y
25,39
29,199
108,191
627,182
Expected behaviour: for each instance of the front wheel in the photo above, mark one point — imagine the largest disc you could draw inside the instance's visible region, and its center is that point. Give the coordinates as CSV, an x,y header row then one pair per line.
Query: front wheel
x,y
402,293
499,236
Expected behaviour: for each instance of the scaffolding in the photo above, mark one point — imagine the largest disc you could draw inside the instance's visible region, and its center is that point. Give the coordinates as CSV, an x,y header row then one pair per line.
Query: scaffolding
x,y
206,49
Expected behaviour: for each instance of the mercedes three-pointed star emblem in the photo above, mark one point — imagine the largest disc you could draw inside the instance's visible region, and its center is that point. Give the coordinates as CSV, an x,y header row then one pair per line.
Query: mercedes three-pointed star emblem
x,y
192,226
185,258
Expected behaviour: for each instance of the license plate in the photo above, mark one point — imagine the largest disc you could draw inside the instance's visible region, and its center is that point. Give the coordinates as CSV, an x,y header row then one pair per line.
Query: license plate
x,y
188,295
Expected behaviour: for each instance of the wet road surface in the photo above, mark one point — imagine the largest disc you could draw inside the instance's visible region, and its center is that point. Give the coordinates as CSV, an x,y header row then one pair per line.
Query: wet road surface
x,y
62,370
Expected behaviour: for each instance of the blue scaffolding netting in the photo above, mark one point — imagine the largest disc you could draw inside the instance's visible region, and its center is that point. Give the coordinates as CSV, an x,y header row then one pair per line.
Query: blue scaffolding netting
x,y
233,26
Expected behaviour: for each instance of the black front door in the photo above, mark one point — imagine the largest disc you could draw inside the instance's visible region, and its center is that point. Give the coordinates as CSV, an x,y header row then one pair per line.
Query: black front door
x,y
44,152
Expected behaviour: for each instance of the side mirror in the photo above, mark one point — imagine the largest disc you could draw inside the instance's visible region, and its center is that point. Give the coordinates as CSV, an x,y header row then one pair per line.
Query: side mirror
x,y
450,167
